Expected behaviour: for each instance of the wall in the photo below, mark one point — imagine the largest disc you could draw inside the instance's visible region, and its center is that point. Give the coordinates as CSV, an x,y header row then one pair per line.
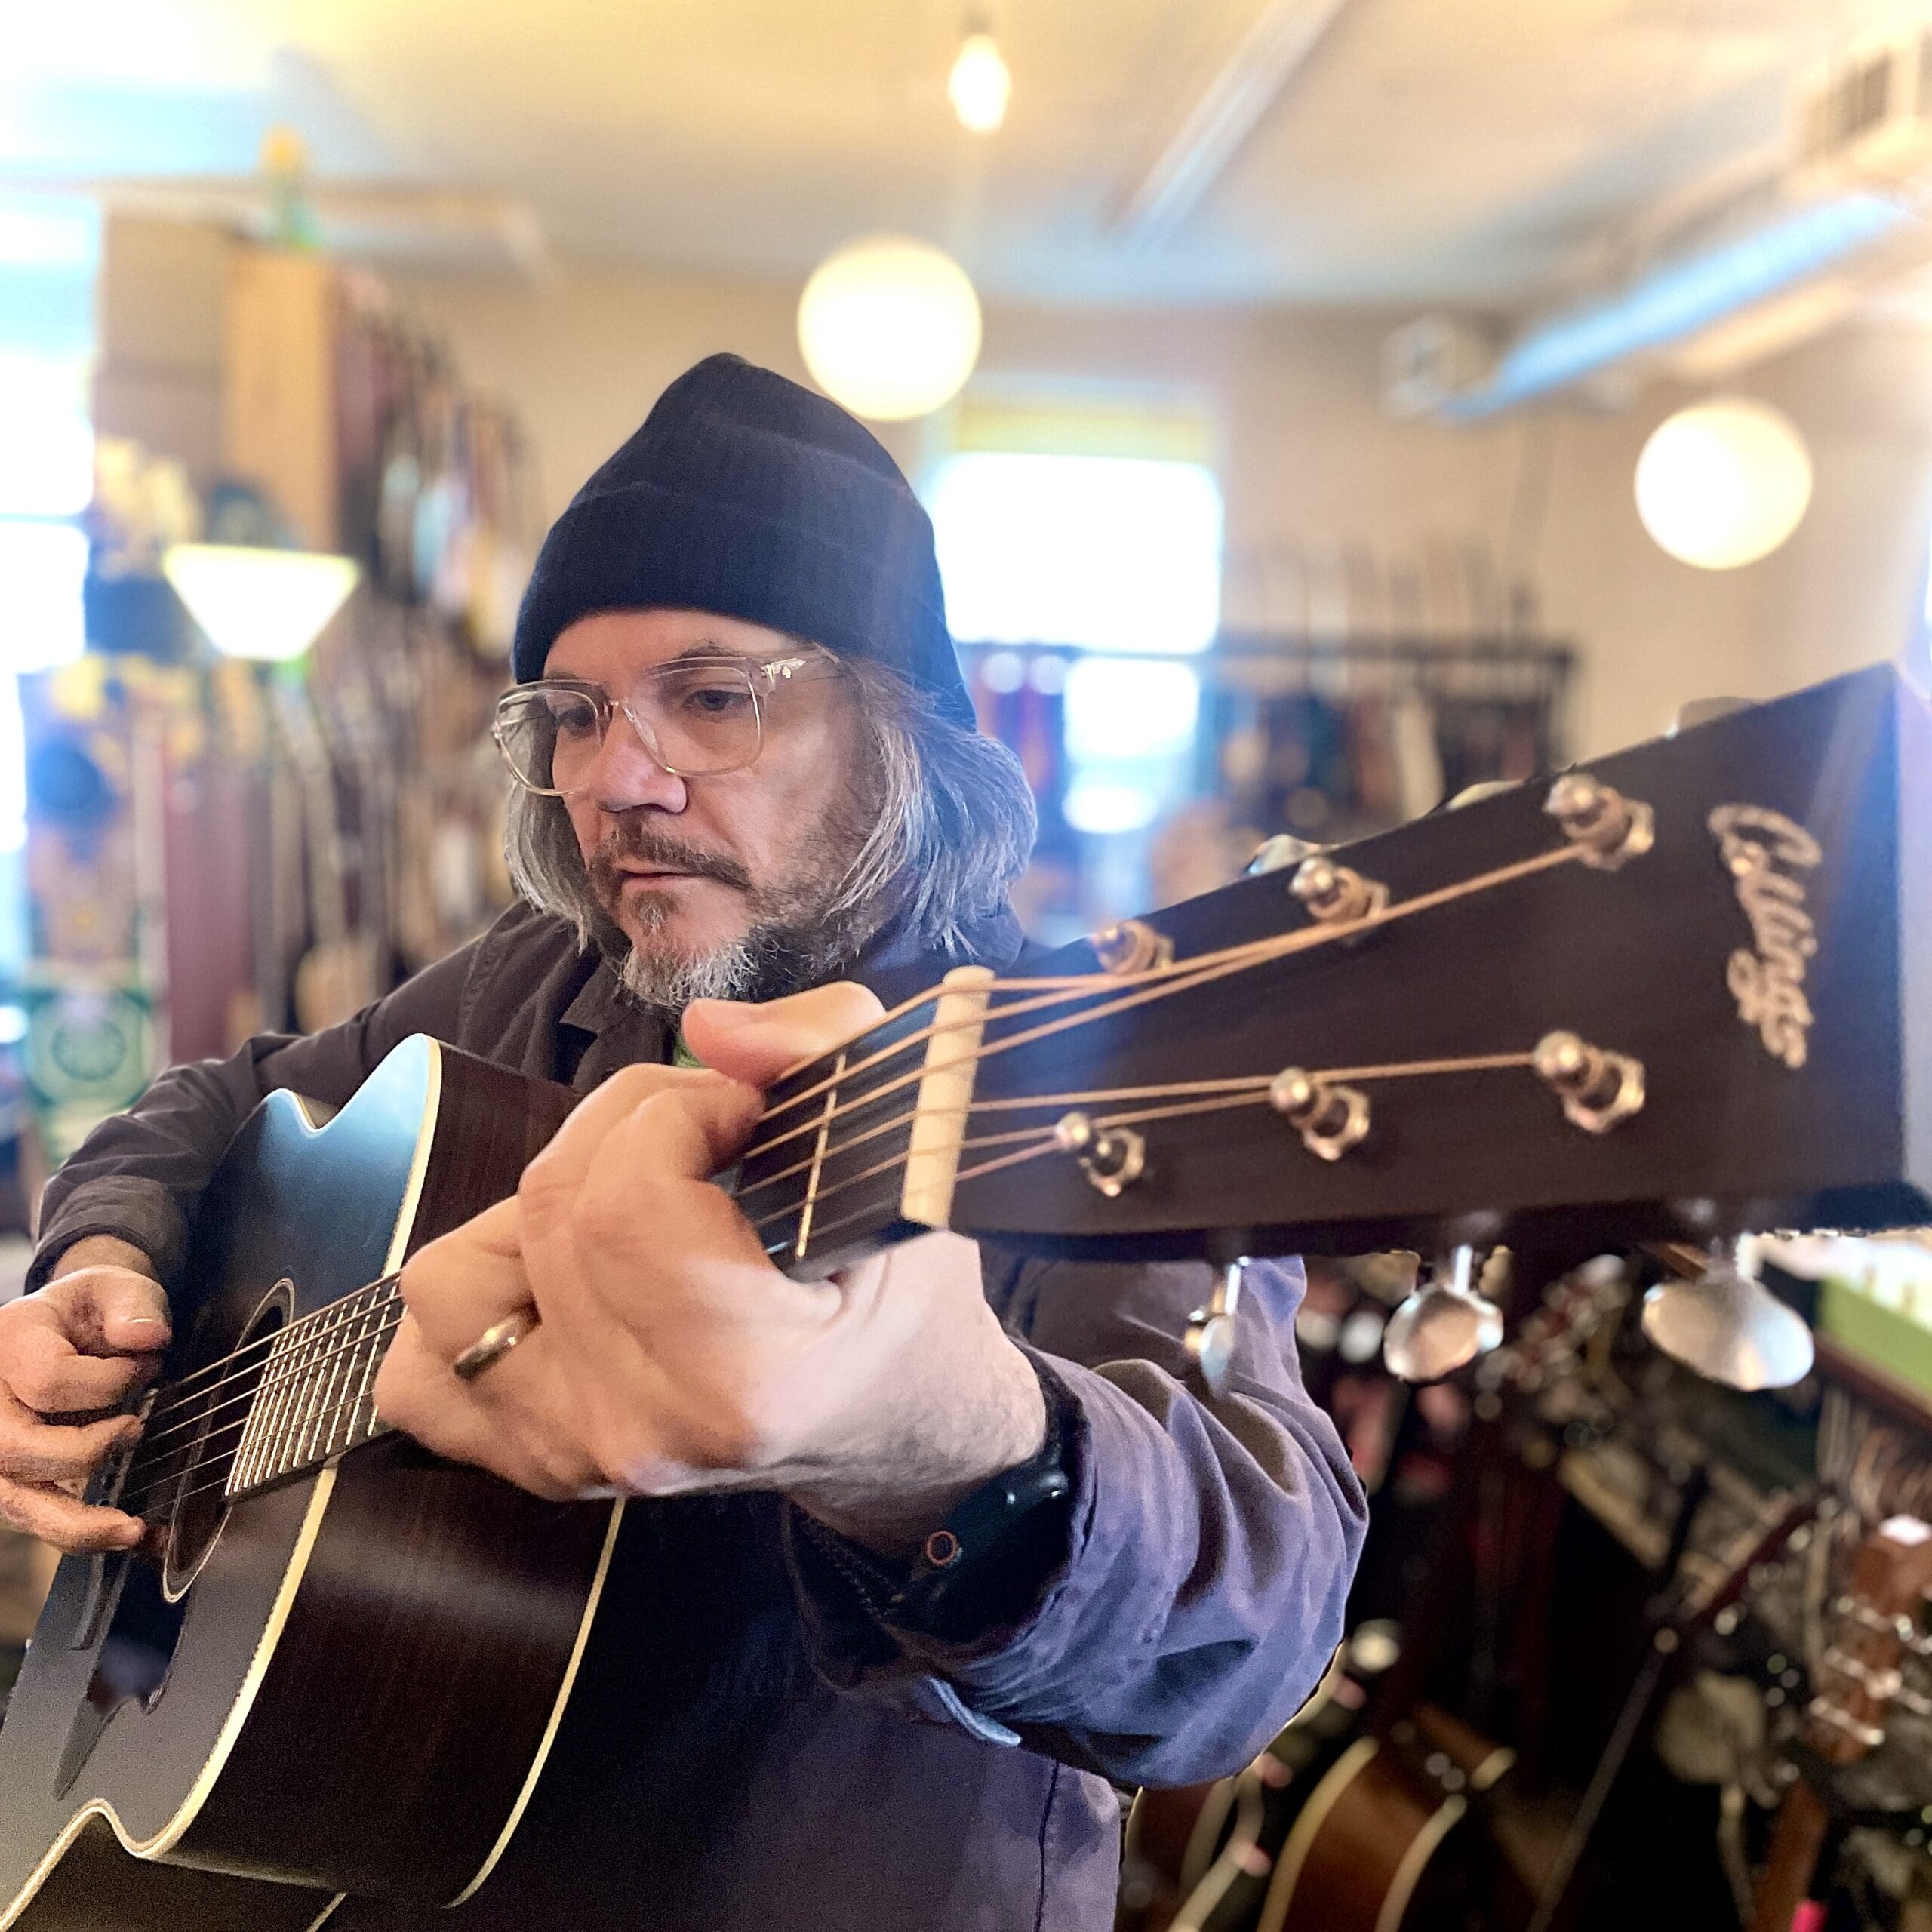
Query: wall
x,y
1311,465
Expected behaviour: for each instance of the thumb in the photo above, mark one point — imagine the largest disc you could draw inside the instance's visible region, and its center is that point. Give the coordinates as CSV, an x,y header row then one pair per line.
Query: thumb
x,y
114,1309
758,1044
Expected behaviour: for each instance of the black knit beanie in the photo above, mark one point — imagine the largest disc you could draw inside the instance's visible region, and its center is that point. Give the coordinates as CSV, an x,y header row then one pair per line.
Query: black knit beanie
x,y
745,494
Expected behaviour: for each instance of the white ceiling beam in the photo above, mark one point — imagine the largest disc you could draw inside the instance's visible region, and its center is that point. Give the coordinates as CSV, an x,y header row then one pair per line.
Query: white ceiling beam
x,y
1214,125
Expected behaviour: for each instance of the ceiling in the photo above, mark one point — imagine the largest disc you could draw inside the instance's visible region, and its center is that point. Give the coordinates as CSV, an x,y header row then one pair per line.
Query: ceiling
x,y
1472,152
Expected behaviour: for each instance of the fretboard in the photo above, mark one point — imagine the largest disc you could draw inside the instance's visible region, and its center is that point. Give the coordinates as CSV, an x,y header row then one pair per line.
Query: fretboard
x,y
314,1398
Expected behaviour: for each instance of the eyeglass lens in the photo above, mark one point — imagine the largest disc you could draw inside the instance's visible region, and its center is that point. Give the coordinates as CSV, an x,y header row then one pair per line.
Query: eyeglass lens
x,y
692,718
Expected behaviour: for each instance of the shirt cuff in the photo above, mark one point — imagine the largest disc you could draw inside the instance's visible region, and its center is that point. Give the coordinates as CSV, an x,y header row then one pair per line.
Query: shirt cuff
x,y
142,1213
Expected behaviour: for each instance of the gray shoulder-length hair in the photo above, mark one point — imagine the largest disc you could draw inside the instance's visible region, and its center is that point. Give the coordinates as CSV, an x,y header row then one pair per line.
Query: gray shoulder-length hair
x,y
955,827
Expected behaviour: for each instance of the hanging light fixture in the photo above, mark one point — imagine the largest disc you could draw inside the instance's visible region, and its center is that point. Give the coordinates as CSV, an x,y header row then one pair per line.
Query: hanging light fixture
x,y
1723,484
267,604
980,85
889,327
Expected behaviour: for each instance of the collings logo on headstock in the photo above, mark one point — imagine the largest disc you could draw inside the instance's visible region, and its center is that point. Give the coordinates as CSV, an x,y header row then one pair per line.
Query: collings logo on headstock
x,y
1763,850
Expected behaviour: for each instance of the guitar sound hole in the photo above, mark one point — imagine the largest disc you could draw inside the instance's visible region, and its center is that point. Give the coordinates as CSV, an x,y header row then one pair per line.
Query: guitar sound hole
x,y
197,1490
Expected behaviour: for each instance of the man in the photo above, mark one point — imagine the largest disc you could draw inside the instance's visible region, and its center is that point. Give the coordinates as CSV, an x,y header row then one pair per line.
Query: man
x,y
745,767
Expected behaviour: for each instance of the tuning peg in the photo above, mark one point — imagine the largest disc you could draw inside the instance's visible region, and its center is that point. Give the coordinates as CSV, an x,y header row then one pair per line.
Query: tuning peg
x,y
1210,1331
1443,1326
1729,1328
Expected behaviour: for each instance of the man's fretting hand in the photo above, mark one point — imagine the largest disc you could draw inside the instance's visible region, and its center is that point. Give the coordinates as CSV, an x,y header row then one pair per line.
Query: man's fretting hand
x,y
671,1355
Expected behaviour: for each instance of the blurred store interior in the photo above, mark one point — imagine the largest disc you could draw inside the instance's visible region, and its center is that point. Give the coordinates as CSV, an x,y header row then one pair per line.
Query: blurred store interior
x,y
1323,407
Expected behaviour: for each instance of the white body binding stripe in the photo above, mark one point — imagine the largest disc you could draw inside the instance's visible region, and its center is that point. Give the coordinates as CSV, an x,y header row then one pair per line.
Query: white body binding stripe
x,y
171,1833
1313,1814
1408,1874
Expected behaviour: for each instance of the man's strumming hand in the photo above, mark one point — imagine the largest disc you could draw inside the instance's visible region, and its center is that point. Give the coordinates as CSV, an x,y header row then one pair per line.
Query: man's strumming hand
x,y
671,1355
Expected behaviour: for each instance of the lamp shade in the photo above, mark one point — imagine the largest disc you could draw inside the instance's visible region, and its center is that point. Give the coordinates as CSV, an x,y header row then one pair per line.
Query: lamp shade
x,y
889,327
1723,484
268,604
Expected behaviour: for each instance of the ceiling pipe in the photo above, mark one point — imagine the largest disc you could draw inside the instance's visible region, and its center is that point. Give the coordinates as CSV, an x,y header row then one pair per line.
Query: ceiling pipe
x,y
1212,127
1682,299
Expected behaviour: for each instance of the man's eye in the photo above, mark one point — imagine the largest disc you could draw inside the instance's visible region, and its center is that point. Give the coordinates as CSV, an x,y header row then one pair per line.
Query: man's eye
x,y
724,700
572,717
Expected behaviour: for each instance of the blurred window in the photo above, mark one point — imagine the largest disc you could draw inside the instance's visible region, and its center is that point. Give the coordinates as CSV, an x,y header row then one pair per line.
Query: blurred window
x,y
1108,553
1098,528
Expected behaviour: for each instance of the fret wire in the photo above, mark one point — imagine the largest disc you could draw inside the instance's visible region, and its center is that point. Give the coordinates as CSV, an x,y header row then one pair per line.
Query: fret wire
x,y
330,1370
365,1376
353,1383
295,1428
804,1233
278,1409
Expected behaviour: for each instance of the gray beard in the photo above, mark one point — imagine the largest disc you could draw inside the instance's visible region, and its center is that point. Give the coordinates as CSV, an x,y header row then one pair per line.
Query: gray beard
x,y
803,932
774,958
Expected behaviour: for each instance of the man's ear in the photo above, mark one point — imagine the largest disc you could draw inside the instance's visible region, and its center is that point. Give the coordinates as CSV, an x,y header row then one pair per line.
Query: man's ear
x,y
758,1044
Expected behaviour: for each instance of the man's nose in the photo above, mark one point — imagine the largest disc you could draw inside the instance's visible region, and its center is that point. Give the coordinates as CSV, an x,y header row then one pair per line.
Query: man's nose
x,y
627,773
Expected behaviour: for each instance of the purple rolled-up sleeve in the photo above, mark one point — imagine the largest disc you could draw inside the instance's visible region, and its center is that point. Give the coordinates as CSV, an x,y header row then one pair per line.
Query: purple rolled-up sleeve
x,y
1208,1550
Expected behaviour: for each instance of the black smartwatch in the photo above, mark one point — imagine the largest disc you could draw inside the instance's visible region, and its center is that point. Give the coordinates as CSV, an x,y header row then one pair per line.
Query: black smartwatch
x,y
985,1564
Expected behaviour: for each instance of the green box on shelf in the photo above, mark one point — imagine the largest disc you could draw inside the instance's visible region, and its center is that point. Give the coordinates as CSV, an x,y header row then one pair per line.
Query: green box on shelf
x,y
1888,1339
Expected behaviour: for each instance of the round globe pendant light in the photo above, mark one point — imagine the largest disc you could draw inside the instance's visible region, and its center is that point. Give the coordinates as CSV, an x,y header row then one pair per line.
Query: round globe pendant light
x,y
1723,484
889,327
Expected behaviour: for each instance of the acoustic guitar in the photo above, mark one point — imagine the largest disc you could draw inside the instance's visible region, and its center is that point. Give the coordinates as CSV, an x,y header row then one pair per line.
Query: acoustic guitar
x,y
1679,995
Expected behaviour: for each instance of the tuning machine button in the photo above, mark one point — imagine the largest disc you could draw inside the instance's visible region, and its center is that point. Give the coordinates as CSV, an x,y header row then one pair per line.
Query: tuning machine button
x,y
1329,1118
1597,1089
1335,895
1445,1324
1113,1158
1210,1331
1609,827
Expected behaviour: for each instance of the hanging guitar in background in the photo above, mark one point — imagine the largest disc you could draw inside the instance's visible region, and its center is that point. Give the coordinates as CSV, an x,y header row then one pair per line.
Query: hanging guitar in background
x,y
1562,1011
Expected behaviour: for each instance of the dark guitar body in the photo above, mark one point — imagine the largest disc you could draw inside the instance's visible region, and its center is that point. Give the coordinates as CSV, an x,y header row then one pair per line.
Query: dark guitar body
x,y
325,1707
1387,1842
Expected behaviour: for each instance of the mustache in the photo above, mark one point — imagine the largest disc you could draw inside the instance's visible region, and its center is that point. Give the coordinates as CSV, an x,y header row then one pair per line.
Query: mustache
x,y
640,842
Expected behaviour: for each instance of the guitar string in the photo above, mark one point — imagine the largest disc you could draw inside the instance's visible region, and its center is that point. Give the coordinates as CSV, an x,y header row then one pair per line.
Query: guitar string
x,y
1180,977
312,1327
1476,1063
374,1323
1043,1141
300,1366
274,1374
1167,981
870,1098
154,1483
174,1389
1046,1142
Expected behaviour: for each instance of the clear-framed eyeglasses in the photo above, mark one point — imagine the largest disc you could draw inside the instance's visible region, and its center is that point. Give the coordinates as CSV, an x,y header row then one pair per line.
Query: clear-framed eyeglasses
x,y
697,717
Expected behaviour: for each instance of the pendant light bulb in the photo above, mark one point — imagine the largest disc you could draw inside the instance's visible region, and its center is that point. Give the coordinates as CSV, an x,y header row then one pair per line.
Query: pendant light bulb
x,y
980,86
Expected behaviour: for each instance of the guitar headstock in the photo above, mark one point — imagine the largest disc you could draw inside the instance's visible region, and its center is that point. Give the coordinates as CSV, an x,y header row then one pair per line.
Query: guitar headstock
x,y
1682,992
1872,1625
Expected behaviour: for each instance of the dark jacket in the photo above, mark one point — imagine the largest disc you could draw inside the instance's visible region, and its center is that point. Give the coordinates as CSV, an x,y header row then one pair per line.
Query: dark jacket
x,y
747,1745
